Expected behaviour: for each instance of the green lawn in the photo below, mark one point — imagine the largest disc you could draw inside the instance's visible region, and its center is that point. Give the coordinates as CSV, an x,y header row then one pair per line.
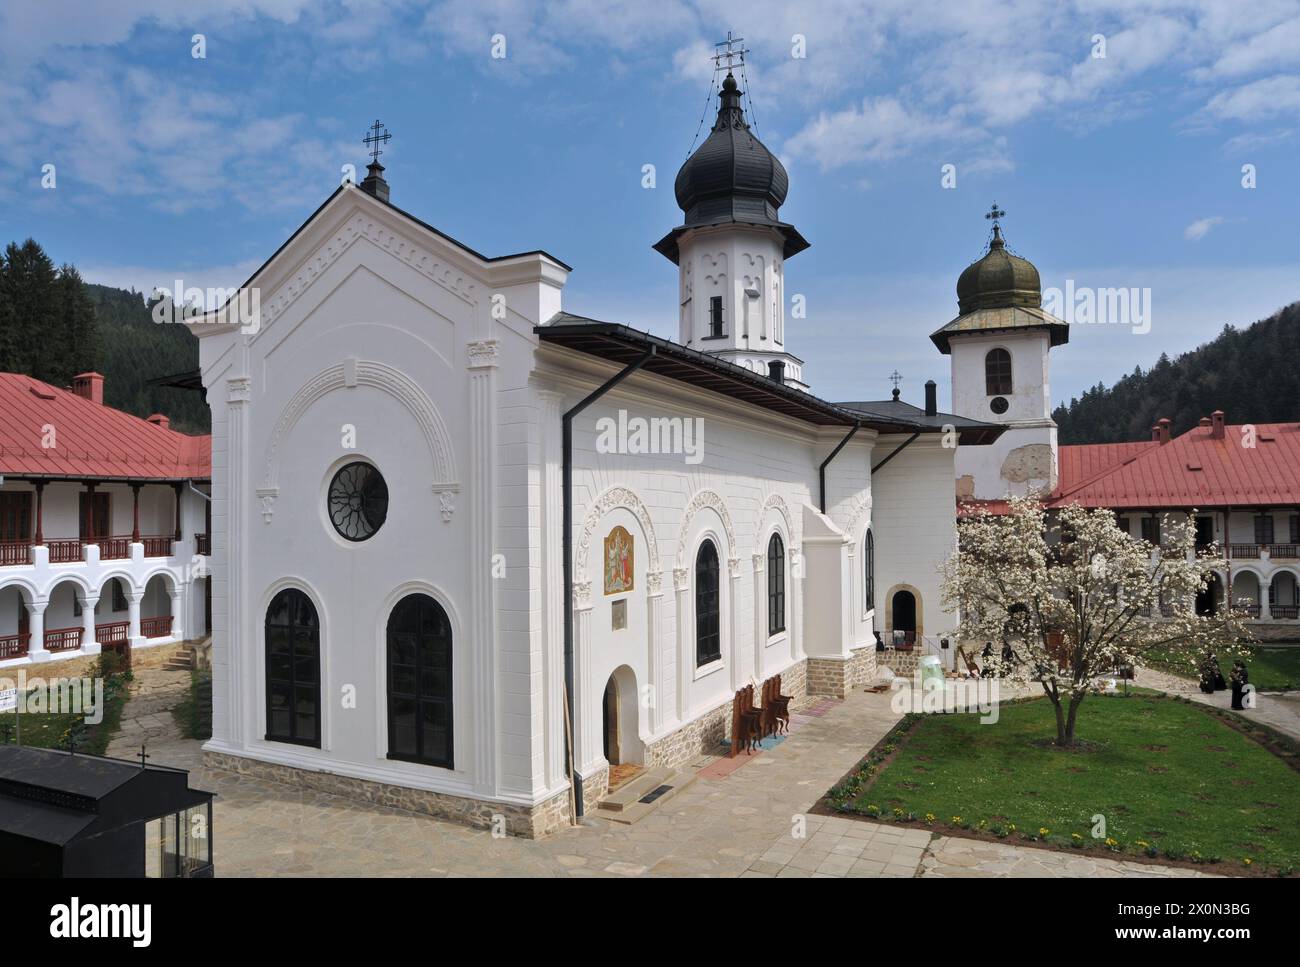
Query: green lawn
x,y
1273,668
48,730
1161,772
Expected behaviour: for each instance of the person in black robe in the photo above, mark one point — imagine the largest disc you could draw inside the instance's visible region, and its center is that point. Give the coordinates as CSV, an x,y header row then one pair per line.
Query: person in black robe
x,y
1211,675
1240,679
986,658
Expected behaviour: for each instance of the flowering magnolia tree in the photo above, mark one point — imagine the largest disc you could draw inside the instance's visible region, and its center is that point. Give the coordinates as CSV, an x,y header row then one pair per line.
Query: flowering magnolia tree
x,y
1068,600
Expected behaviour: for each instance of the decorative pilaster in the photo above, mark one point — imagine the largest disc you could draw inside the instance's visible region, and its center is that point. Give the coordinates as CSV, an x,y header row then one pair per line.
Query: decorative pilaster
x,y
228,561
552,578
685,649
178,624
760,613
36,627
794,588
733,624
482,541
588,747
654,626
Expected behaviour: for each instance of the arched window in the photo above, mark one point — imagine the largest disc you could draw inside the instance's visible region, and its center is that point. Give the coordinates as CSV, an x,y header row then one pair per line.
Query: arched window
x,y
292,669
419,682
997,372
869,571
775,585
708,637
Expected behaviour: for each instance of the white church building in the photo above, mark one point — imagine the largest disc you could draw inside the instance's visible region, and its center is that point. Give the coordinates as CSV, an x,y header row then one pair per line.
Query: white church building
x,y
469,549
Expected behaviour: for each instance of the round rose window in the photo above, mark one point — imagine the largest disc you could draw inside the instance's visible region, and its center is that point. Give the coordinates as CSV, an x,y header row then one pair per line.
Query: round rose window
x,y
358,501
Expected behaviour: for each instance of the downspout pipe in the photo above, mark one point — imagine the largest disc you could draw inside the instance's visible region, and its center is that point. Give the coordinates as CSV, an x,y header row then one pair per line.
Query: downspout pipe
x,y
897,450
567,541
821,471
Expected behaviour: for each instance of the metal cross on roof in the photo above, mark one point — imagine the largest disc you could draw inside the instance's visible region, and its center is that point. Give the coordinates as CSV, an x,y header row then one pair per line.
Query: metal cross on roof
x,y
895,377
995,213
375,139
730,53
142,756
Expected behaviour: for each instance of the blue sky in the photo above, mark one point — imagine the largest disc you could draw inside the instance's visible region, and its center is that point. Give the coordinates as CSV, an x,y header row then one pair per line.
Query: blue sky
x,y
1117,171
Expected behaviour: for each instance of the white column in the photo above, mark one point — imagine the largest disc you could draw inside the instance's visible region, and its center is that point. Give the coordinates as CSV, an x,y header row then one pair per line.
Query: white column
x,y
177,594
733,621
760,612
133,599
238,394
795,590
483,493
552,524
88,602
685,644
654,631
588,743
36,625
1265,612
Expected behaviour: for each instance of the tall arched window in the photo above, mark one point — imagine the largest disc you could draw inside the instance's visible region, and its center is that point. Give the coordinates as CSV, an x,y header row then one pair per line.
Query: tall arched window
x,y
775,585
419,682
708,637
869,571
997,372
292,669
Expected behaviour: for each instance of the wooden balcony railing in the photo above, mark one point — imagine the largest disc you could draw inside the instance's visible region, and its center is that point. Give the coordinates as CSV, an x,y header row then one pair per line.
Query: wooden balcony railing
x,y
112,632
1284,550
157,546
1287,611
159,627
14,646
64,552
203,543
62,639
1252,610
114,548
1243,551
15,552
1251,552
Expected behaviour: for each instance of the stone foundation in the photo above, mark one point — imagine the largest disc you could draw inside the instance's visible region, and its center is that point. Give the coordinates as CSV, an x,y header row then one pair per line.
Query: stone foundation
x,y
834,677
901,663
1267,632
594,788
80,666
530,822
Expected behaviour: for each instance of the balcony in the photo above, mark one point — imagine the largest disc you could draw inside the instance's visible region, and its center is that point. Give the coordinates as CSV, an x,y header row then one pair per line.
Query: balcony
x,y
15,552
159,627
64,551
63,639
1253,552
14,646
203,543
1286,612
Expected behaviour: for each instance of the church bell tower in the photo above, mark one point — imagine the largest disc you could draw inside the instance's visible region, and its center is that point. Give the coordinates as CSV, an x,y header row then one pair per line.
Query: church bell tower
x,y
731,247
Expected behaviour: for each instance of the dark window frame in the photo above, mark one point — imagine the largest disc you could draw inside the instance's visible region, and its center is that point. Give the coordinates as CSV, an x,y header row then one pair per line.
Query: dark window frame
x,y
997,373
708,605
1264,530
435,616
717,322
775,585
869,570
1151,529
296,596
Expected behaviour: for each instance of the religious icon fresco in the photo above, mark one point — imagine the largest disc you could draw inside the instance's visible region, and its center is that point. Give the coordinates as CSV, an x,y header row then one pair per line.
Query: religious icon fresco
x,y
618,561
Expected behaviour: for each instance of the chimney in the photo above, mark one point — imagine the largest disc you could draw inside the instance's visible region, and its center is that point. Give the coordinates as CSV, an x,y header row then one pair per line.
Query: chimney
x,y
1160,432
1216,423
89,386
776,370
931,398
159,419
1205,421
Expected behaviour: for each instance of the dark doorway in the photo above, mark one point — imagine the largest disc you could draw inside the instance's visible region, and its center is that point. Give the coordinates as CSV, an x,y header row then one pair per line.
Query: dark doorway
x,y
1207,599
1204,532
611,721
904,610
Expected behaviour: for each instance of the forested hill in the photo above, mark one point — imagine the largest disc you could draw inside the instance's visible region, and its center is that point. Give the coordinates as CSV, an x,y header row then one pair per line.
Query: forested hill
x,y
134,349
1252,374
53,325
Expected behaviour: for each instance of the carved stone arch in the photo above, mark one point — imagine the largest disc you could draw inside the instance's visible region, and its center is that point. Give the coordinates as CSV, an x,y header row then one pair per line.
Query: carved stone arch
x,y
380,376
613,499
701,500
774,502
859,515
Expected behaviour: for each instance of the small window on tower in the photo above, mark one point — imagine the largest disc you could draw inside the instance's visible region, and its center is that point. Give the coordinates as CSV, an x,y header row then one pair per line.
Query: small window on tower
x,y
715,317
997,372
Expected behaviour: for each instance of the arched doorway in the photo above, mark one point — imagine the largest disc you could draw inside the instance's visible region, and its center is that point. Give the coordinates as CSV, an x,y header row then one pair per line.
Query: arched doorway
x,y
903,611
621,726
419,682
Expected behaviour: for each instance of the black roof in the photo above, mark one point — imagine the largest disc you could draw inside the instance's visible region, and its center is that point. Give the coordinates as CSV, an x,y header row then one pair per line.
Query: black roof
x,y
973,432
90,776
621,344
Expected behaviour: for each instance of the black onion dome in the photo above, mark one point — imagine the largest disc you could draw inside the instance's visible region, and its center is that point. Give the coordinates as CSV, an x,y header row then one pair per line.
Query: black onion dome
x,y
731,179
999,280
732,176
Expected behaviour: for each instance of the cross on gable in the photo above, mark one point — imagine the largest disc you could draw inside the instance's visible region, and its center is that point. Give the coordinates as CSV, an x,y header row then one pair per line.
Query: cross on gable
x,y
374,139
731,53
142,756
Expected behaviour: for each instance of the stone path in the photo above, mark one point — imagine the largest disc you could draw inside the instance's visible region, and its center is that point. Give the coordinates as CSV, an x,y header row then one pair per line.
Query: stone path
x,y
147,717
1279,710
752,821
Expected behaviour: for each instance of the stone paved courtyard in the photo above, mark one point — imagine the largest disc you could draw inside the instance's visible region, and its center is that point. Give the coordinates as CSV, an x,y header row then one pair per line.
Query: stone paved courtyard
x,y
742,824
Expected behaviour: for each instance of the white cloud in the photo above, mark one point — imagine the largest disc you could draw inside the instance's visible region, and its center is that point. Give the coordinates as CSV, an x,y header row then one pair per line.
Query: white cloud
x,y
145,279
1258,100
1198,229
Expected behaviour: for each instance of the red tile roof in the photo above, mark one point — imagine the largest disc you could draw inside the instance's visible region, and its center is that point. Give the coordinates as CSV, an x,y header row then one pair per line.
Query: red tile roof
x,y
91,440
1191,470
